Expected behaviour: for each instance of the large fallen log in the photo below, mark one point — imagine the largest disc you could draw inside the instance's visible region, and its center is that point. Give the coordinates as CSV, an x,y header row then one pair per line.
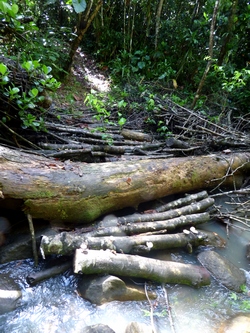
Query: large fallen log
x,y
92,262
79,192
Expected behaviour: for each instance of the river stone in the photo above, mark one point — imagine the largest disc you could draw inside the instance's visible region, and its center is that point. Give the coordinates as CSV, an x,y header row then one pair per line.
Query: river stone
x,y
99,328
9,294
103,289
223,270
4,228
238,324
21,246
135,327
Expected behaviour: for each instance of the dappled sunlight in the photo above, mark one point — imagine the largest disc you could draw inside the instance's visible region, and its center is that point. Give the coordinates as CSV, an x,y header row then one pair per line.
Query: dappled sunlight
x,y
86,71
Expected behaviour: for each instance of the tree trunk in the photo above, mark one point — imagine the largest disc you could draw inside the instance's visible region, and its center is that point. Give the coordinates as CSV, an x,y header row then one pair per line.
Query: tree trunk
x,y
92,262
158,22
84,24
80,192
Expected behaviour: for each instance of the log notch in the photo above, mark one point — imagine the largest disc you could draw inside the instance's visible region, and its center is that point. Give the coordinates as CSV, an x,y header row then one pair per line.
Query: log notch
x,y
78,192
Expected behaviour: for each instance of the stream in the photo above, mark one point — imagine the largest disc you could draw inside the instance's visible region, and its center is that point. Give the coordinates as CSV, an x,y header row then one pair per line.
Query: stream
x,y
54,306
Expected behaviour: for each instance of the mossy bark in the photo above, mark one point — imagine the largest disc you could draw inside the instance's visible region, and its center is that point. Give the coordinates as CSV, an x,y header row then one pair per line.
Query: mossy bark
x,y
79,192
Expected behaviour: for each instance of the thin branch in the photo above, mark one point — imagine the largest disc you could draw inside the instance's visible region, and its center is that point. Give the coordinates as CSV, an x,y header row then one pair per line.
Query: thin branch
x,y
19,136
169,309
33,238
151,310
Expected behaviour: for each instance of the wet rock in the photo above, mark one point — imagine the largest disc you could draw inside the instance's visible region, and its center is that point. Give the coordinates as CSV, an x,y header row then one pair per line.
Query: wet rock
x,y
223,270
135,327
4,228
99,290
238,324
99,328
4,224
9,295
21,247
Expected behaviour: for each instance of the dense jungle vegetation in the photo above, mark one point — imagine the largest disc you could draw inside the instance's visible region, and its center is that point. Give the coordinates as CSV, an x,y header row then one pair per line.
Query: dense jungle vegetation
x,y
195,52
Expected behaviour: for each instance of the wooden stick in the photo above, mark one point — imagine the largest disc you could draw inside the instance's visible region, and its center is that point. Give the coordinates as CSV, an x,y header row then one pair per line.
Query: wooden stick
x,y
33,238
169,309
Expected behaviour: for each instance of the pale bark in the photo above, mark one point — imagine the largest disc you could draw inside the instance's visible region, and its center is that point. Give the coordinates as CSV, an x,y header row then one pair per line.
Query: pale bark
x,y
147,227
92,262
135,135
183,201
193,208
66,243
80,192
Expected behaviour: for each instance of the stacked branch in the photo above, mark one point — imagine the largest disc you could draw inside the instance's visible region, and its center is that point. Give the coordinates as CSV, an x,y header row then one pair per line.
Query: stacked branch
x,y
96,251
82,140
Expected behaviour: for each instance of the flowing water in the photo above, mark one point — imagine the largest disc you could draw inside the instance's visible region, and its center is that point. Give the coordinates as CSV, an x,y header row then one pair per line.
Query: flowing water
x,y
54,306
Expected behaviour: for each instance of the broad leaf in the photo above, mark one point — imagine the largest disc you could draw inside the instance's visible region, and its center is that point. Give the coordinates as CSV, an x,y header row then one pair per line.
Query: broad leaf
x,y
3,68
79,5
4,7
14,10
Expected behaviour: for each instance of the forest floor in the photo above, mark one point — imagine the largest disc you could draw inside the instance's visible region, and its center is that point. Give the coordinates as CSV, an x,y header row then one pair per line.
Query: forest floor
x,y
91,115
85,76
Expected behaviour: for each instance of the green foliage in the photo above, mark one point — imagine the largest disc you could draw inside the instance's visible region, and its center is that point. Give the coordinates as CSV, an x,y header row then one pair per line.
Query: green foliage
x,y
123,36
141,64
162,128
95,101
235,85
147,313
29,100
240,301
8,11
4,79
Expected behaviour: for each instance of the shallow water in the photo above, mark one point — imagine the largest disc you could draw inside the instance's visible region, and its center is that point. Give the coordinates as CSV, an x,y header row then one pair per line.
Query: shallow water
x,y
54,306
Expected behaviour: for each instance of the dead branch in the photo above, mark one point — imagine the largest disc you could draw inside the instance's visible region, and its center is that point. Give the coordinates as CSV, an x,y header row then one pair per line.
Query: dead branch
x,y
66,243
140,227
95,262
196,207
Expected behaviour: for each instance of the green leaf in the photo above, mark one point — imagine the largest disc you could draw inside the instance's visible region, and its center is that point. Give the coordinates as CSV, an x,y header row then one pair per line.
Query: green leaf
x,y
4,80
14,91
33,92
162,76
141,64
14,10
234,296
3,68
46,69
205,16
4,7
28,65
122,121
79,5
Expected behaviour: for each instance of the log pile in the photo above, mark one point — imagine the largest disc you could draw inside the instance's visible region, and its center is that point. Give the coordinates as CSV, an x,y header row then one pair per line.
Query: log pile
x,y
115,245
84,139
